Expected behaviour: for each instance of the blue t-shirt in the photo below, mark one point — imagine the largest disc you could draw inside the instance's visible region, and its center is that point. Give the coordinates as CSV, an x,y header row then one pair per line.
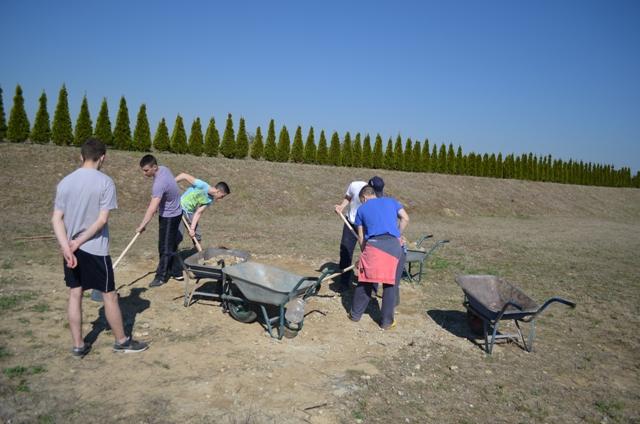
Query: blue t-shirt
x,y
379,216
197,195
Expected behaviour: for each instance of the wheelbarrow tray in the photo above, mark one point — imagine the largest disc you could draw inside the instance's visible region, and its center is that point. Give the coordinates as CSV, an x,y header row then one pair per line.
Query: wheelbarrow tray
x,y
488,295
265,283
213,271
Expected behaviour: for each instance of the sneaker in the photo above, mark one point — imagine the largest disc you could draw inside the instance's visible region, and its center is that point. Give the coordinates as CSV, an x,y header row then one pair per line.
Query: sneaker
x,y
81,352
390,326
156,282
178,277
130,346
352,318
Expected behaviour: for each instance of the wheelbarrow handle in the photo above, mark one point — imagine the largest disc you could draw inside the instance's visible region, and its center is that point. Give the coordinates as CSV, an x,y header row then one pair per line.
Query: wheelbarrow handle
x,y
423,238
436,245
556,299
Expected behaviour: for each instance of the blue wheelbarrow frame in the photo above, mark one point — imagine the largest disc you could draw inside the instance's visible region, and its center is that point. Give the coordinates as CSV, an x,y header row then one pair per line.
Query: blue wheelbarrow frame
x,y
417,257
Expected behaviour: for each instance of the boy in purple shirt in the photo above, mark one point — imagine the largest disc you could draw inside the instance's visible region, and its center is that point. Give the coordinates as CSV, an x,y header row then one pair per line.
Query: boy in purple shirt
x,y
165,199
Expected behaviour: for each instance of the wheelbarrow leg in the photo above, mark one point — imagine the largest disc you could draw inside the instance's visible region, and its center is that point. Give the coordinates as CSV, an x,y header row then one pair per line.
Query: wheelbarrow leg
x,y
495,324
187,298
266,320
485,330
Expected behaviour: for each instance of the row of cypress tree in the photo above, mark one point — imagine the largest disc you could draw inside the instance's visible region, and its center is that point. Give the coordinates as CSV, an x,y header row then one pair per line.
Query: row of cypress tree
x,y
351,152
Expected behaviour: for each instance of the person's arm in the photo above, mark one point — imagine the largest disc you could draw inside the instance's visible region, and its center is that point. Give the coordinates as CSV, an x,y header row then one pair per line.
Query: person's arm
x,y
196,217
403,221
186,177
361,236
61,234
340,208
103,218
151,211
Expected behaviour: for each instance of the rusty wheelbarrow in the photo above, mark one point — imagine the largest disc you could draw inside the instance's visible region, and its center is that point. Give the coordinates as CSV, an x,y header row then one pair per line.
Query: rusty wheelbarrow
x,y
490,299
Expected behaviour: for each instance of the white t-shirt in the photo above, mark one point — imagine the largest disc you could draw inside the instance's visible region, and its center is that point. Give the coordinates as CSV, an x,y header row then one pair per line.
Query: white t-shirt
x,y
353,191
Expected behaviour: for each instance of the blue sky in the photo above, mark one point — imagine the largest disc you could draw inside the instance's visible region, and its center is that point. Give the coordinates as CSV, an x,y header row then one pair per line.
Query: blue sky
x,y
548,77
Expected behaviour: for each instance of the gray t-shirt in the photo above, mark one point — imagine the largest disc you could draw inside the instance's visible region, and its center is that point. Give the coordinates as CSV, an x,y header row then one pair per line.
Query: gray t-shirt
x,y
81,196
166,188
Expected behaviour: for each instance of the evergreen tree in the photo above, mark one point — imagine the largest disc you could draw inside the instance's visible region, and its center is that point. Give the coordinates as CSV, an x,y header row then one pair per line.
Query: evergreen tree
x,y
347,151
18,127
407,160
3,119
142,132
357,152
389,158
270,148
84,126
212,139
284,145
398,155
451,160
499,165
442,159
179,137
61,130
297,150
257,147
484,166
196,145
322,157
426,157
310,148
415,157
377,159
161,138
103,125
242,142
228,146
122,130
41,131
460,166
435,160
491,166
335,150
367,152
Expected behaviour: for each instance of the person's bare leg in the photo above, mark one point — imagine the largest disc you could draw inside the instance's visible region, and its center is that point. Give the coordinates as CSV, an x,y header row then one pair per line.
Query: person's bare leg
x,y
114,315
74,314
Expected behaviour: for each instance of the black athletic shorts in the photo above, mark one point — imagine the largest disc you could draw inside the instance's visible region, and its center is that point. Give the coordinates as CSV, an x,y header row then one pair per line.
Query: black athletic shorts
x,y
92,272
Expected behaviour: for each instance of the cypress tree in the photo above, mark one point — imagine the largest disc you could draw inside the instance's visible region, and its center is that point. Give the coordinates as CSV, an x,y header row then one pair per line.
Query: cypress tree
x,y
84,126
484,165
122,130
142,132
335,150
41,131
377,159
389,157
212,139
443,166
242,142
415,157
367,152
161,138
179,137
3,119
435,160
284,145
297,150
322,157
18,127
492,170
228,148
270,148
61,130
425,164
195,138
407,160
451,160
310,148
347,151
257,147
398,155
103,125
459,162
357,152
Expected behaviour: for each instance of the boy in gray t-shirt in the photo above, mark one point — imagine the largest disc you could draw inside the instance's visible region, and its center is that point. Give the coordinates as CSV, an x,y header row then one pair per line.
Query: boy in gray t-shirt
x,y
80,216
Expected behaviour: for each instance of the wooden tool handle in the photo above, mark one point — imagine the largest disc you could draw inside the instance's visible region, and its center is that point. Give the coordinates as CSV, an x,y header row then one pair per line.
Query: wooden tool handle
x,y
195,241
126,249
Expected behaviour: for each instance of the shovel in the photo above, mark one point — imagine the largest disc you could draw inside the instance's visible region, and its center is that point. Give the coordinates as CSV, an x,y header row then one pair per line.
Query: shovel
x,y
195,241
96,295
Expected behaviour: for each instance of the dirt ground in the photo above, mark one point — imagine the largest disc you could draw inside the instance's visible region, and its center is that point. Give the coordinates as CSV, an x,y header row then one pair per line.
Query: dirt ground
x,y
580,243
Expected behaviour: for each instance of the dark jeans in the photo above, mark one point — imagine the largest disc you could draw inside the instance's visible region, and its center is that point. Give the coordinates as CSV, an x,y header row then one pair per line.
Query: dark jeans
x,y
168,242
347,246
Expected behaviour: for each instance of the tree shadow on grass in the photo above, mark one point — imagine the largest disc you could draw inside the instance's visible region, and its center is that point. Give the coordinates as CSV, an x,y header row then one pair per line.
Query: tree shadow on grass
x,y
130,306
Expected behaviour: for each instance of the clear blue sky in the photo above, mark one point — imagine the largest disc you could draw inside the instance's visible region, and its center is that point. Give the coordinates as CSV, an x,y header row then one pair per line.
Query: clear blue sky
x,y
550,77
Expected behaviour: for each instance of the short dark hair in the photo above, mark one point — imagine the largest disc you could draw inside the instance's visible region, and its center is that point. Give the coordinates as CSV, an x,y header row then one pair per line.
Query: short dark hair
x,y
92,149
148,160
222,186
367,191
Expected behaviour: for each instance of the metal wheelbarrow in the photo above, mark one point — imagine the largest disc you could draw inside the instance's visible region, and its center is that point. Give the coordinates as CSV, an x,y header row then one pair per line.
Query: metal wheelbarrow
x,y
417,257
196,268
490,299
250,286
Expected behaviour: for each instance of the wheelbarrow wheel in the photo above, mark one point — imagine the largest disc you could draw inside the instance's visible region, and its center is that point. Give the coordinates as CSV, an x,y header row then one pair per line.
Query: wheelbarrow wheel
x,y
475,323
241,311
